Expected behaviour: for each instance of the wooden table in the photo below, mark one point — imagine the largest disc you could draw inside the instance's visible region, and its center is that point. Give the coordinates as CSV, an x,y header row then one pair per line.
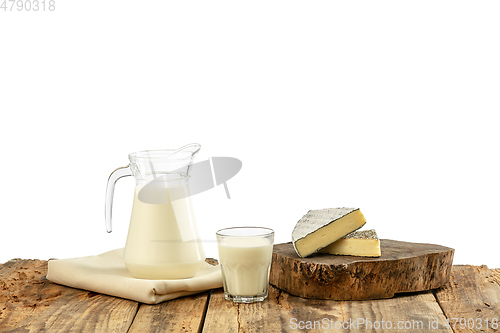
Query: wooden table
x,y
31,303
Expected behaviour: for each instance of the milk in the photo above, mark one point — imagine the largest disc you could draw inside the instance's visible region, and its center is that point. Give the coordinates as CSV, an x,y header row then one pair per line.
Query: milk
x,y
245,263
162,242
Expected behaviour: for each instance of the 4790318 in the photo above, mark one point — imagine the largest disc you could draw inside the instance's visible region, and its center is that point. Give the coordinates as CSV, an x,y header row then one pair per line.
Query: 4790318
x,y
27,5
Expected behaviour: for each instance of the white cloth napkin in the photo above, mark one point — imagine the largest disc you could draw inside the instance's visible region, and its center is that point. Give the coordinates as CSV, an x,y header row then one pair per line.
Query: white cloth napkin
x,y
107,274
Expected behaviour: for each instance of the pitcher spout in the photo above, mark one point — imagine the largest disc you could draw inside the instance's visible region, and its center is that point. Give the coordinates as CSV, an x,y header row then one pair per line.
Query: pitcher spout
x,y
149,165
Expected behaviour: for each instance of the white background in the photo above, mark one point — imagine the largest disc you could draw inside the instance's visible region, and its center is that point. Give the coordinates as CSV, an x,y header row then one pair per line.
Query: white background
x,y
388,106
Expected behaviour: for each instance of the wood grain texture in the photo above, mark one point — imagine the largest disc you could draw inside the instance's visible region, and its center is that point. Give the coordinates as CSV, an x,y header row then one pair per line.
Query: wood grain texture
x,y
221,315
472,297
185,314
282,312
31,303
403,267
495,273
274,314
409,312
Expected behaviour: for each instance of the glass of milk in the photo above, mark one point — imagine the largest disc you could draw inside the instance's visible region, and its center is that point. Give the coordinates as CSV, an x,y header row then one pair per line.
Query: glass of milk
x,y
245,259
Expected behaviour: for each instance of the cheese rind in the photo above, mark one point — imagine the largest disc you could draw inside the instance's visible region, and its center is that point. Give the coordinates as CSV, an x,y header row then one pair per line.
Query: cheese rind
x,y
319,228
363,243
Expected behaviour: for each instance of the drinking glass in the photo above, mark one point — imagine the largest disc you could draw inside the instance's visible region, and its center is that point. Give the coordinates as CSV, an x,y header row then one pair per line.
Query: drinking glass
x,y
245,255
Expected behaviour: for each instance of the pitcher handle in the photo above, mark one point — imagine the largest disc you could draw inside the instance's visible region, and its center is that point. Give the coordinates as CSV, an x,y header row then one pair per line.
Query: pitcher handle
x,y
110,190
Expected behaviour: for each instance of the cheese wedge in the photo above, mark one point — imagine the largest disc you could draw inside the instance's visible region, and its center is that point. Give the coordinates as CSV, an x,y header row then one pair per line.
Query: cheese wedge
x,y
362,243
320,228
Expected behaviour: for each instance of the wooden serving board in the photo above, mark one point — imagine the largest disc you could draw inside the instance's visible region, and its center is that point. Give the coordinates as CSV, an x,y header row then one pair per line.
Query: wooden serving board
x,y
402,267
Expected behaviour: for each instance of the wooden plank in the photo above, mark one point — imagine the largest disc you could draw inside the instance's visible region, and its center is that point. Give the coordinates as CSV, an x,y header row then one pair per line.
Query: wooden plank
x,y
411,312
185,314
31,303
282,312
221,315
402,267
471,299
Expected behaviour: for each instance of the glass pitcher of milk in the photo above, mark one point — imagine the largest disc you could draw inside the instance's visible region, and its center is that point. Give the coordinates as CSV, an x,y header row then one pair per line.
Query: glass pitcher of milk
x,y
163,240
